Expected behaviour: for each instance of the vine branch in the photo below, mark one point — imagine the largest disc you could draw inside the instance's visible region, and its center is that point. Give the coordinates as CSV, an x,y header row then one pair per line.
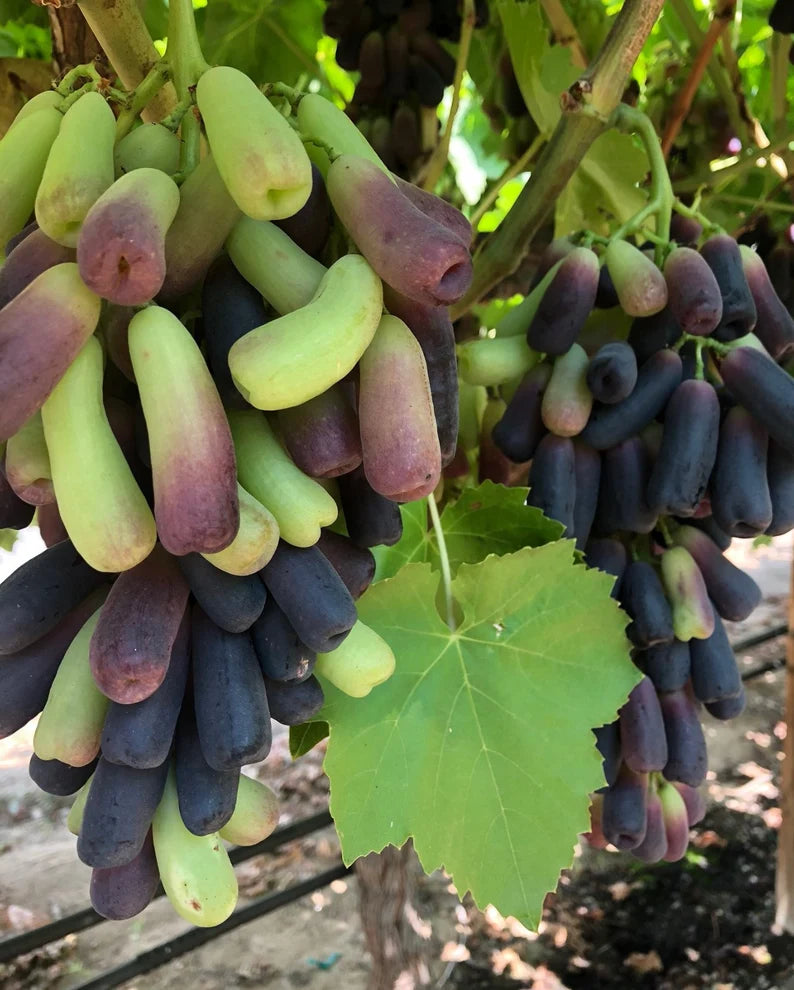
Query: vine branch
x,y
564,31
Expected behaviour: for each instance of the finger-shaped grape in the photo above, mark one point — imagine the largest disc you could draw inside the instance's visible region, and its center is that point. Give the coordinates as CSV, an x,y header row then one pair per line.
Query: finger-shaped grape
x,y
132,644
727,708
640,286
688,451
121,892
298,356
371,519
693,616
310,226
204,220
566,303
694,802
282,656
399,441
552,480
654,845
27,463
255,542
612,372
734,593
413,253
322,435
14,513
74,819
715,675
587,474
255,814
294,702
715,532
206,796
321,121
299,504
193,461
609,556
362,662
121,247
687,761
516,322
780,479
486,361
195,871
775,325
520,430
49,99
643,597
70,726
642,740
763,388
312,596
624,811
695,300
114,332
28,260
229,696
233,603
77,171
740,499
622,502
258,154
567,400
354,565
437,209
656,382
41,331
102,507
606,294
650,334
608,745
492,465
54,777
140,735
676,823
148,146
685,230
667,665
23,154
274,264
738,307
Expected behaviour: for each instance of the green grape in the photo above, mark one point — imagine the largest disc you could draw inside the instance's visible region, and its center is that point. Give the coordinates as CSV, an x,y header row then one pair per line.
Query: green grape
x,y
27,464
640,285
567,400
693,615
319,120
148,146
495,361
74,819
255,542
255,813
47,100
361,662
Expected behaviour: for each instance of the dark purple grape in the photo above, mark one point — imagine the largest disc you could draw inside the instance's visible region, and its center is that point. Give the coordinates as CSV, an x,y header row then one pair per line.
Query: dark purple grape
x,y
609,556
552,480
310,226
354,565
371,519
740,499
643,744
622,501
780,478
738,308
643,597
694,297
121,892
587,472
727,708
623,818
608,745
687,760
294,702
520,430
650,334
667,665
566,303
715,676
763,388
282,656
775,326
612,372
54,777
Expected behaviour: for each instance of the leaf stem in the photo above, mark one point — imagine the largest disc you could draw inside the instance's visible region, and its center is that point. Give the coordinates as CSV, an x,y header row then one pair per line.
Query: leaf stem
x,y
518,166
443,556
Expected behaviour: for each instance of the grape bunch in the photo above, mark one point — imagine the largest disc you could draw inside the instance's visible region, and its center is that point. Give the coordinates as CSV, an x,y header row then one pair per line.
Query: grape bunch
x,y
208,496
649,406
395,46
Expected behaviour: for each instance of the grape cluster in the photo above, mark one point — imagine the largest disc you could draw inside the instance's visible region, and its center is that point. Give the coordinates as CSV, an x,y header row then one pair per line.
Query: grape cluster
x,y
654,445
186,481
395,46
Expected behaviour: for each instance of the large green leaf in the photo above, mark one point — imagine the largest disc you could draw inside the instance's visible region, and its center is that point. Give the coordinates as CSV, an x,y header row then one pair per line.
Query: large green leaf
x,y
480,747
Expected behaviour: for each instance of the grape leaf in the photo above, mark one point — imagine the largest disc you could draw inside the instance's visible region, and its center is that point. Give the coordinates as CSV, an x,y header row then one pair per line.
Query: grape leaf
x,y
303,738
480,745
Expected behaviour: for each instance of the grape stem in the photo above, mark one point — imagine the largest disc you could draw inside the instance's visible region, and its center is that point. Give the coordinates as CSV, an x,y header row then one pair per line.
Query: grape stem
x,y
187,64
142,96
443,556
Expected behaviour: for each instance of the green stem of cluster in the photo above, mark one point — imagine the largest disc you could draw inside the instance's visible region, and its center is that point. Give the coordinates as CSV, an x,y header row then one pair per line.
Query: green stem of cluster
x,y
173,121
443,556
142,96
693,213
700,370
88,71
664,529
187,64
701,344
75,95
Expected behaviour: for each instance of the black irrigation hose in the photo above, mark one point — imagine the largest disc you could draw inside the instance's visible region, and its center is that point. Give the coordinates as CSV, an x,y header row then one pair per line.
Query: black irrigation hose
x,y
79,921
758,638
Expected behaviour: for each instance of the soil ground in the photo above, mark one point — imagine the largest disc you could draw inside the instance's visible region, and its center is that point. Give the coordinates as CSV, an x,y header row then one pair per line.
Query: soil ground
x,y
614,923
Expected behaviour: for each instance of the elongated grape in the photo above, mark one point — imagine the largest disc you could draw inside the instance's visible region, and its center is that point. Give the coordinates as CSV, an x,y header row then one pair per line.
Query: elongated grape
x,y
27,463
624,811
567,400
371,519
715,675
229,696
436,208
140,735
206,796
687,760
654,845
121,247
354,565
41,331
432,327
193,461
694,802
740,499
487,361
298,503
622,500
676,823
774,326
609,556
693,616
195,871
14,513
734,593
121,892
310,226
416,255
322,435
764,389
312,596
148,146
101,505
259,156
131,647
359,664
492,465
642,740
255,814
269,364
612,372
255,542
401,453
77,172
74,819
694,294
587,475
643,597
233,603
70,726
518,319
640,286
205,218
60,779
281,654
650,334
552,480
294,702
612,424
715,532
688,451
40,593
520,430
23,155
667,665
727,708
28,260
780,479
118,811
230,308
327,124
566,303
608,745
739,314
